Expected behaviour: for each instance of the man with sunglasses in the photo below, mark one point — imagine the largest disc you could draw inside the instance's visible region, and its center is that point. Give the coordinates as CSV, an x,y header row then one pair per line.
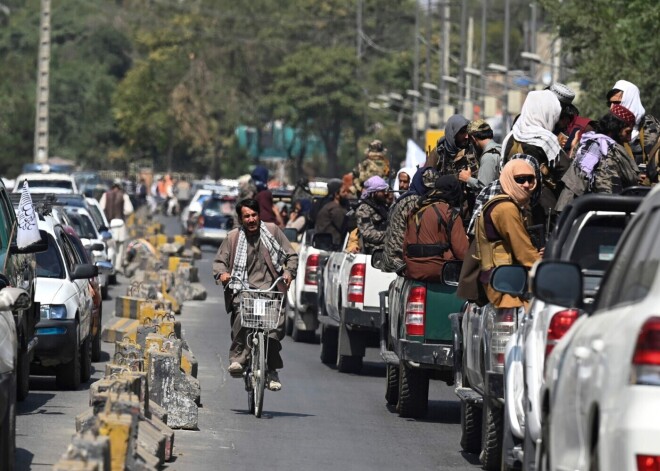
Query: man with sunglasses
x,y
645,133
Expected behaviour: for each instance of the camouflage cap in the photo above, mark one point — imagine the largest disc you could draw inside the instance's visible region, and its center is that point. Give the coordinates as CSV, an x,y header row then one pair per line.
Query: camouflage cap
x,y
429,177
376,146
478,125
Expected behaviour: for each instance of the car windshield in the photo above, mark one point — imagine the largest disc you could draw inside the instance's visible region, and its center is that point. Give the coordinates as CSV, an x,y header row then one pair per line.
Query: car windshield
x,y
83,226
218,207
49,263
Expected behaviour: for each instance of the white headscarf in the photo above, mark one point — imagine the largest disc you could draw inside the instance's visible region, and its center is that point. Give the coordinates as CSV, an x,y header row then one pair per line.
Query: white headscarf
x,y
631,101
411,173
538,117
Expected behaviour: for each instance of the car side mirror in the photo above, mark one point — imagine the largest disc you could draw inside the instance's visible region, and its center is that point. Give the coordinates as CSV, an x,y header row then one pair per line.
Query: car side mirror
x,y
97,247
106,235
558,283
510,279
291,234
83,271
104,267
39,246
451,272
377,259
322,241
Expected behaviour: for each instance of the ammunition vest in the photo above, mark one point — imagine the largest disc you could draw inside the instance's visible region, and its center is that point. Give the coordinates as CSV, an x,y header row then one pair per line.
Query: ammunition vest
x,y
491,254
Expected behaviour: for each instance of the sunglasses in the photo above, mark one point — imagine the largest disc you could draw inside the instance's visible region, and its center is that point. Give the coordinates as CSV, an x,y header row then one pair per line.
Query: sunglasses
x,y
613,102
525,179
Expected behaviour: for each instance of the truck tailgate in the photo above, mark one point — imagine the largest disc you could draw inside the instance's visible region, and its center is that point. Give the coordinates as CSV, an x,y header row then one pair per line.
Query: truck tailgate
x,y
441,300
375,282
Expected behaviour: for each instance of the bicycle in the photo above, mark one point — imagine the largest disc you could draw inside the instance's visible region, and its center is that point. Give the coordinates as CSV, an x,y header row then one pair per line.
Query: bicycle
x,y
260,311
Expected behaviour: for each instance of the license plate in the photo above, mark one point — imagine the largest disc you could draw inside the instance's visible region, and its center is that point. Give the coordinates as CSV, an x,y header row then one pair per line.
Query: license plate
x,y
260,307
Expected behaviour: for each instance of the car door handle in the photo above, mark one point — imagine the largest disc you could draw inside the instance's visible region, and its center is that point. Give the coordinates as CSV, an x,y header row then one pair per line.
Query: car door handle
x,y
582,353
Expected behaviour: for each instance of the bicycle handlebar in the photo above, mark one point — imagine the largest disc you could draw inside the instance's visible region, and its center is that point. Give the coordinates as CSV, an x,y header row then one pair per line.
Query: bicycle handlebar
x,y
247,286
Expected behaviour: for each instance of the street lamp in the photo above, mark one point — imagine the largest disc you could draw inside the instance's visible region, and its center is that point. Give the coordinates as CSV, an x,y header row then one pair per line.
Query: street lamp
x,y
430,86
498,68
414,93
531,56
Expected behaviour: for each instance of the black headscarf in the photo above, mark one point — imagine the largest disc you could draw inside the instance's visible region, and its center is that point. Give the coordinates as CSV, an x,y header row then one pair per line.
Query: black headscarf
x,y
454,124
447,189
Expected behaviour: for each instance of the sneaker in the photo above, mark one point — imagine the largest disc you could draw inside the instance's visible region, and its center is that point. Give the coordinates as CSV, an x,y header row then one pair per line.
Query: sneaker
x,y
235,369
273,381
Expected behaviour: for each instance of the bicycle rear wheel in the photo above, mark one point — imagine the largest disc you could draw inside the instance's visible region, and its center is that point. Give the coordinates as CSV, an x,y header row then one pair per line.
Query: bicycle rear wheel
x,y
259,372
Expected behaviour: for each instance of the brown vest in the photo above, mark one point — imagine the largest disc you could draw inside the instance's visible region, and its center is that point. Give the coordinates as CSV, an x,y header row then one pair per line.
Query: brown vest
x,y
114,205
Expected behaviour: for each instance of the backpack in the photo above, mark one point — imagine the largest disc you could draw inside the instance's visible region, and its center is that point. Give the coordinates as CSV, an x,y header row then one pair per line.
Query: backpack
x,y
427,242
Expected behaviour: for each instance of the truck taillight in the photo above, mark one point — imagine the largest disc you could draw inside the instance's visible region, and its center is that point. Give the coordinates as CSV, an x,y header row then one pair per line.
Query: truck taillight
x,y
559,325
504,325
200,221
356,283
416,311
648,463
646,359
312,270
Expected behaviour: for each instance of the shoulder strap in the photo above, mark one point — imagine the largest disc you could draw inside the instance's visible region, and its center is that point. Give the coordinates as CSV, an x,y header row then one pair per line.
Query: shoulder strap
x,y
447,224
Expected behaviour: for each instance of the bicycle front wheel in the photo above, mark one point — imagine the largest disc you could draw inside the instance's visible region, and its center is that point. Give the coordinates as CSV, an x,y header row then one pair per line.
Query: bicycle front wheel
x,y
259,372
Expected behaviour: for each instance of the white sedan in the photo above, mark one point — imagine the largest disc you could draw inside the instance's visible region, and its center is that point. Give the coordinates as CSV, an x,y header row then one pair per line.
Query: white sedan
x,y
603,377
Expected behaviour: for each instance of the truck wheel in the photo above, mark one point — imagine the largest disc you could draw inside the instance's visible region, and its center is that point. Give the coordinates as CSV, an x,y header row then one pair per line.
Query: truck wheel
x,y
413,391
68,374
329,339
509,443
22,375
392,389
288,322
306,336
349,364
470,427
86,359
491,451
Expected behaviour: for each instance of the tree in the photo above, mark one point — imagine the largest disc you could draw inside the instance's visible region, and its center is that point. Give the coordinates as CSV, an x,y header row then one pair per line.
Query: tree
x,y
316,89
609,40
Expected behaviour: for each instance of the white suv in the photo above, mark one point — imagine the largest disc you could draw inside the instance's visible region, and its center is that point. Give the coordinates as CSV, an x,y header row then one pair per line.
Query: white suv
x,y
64,292
603,377
59,183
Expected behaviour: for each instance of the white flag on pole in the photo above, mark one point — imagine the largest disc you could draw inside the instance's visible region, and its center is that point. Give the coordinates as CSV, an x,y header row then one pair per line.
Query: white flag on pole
x,y
28,229
415,156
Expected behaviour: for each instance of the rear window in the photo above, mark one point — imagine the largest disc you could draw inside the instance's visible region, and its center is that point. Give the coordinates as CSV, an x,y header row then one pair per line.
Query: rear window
x,y
216,207
82,225
595,245
66,184
49,263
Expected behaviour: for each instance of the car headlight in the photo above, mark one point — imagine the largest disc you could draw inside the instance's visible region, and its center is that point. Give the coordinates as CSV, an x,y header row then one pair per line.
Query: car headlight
x,y
53,311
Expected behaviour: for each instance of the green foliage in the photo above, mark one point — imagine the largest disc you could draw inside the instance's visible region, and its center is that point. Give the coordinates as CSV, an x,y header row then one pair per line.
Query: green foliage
x,y
609,40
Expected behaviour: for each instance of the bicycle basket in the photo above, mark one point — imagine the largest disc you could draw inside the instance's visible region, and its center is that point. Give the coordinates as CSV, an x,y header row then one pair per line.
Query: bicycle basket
x,y
261,309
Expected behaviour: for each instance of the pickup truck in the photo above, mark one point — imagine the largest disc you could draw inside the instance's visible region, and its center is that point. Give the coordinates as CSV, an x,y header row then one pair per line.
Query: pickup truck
x,y
417,341
302,311
19,266
349,311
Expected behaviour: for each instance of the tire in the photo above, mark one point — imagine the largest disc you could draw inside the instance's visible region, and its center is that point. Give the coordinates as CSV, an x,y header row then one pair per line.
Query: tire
x,y
413,391
392,385
529,451
96,346
305,336
259,362
288,323
8,433
22,375
544,456
329,339
349,364
68,374
470,427
509,443
86,359
491,439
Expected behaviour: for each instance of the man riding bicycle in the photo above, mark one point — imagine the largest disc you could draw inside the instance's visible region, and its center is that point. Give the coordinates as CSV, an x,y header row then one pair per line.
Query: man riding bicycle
x,y
256,253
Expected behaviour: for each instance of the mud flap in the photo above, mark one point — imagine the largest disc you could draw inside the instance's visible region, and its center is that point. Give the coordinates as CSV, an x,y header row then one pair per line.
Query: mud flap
x,y
351,342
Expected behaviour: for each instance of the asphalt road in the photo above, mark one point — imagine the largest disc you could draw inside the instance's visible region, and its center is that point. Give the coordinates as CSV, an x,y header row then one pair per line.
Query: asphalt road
x,y
321,419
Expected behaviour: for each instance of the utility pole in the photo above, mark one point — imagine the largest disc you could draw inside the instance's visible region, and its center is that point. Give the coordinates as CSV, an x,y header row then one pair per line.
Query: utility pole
x,y
427,72
468,79
444,61
507,31
359,30
415,73
43,72
461,71
484,85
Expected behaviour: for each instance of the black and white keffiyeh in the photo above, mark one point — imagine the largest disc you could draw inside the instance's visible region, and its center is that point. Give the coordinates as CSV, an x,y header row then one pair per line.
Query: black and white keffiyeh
x,y
239,270
493,189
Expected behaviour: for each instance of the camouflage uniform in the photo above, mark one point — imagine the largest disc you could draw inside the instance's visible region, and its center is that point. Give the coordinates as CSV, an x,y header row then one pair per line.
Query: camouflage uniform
x,y
615,172
650,132
372,223
375,164
397,224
